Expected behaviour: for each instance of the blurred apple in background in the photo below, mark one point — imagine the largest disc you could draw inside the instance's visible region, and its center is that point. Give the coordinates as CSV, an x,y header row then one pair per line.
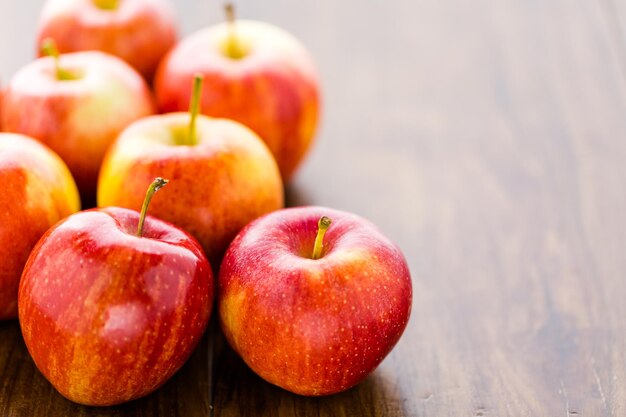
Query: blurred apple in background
x,y
311,305
138,31
37,191
223,176
77,104
109,309
256,74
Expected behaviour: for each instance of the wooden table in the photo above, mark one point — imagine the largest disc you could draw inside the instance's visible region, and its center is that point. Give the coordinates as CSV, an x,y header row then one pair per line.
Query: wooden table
x,y
488,139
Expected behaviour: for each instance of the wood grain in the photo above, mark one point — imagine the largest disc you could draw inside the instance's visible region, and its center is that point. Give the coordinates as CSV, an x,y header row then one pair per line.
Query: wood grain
x,y
487,139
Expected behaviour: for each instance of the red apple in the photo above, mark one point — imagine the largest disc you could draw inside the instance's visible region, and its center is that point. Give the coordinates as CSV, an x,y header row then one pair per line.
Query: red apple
x,y
138,31
256,74
37,191
223,175
77,105
313,318
109,313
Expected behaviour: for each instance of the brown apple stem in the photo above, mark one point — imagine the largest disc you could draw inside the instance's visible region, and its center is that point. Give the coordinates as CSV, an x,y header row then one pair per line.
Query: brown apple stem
x,y
322,225
194,109
156,185
229,9
107,4
233,47
49,48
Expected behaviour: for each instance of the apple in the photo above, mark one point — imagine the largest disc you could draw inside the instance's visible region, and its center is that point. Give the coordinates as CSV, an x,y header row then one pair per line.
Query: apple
x,y
76,104
138,31
38,191
224,174
313,313
111,307
256,74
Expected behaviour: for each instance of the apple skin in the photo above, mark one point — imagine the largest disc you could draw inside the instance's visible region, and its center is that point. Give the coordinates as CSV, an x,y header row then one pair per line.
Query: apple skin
x,y
38,191
217,186
108,316
273,90
78,119
139,31
313,327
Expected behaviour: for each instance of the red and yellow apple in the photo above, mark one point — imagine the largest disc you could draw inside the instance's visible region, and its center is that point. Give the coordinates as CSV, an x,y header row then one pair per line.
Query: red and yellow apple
x,y
223,176
110,310
38,191
313,313
138,31
76,104
256,74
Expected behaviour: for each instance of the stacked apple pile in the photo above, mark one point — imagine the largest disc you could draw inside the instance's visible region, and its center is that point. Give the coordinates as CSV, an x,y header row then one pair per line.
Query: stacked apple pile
x,y
111,301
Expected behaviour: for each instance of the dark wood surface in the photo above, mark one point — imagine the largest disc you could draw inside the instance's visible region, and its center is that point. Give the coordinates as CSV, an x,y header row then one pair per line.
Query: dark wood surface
x,y
488,139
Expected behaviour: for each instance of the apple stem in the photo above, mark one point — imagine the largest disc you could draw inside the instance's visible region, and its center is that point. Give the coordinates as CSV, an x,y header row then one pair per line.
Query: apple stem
x,y
49,48
322,225
194,109
107,4
156,185
233,47
229,9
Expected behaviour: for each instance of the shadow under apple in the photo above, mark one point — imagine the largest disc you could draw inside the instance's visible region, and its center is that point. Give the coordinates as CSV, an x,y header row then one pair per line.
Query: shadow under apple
x,y
239,391
185,394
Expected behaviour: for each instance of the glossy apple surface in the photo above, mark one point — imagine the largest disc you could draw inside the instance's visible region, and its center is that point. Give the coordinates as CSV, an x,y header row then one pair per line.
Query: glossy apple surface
x,y
108,316
313,326
37,191
272,89
138,31
217,186
77,118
